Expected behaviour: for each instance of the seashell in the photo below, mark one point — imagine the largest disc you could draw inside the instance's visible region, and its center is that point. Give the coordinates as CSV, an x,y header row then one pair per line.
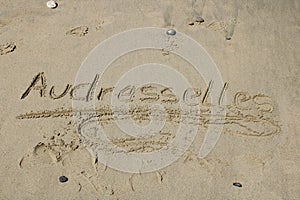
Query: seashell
x,y
52,4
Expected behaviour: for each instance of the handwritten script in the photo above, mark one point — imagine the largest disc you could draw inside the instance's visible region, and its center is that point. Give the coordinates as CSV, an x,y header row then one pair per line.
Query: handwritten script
x,y
248,115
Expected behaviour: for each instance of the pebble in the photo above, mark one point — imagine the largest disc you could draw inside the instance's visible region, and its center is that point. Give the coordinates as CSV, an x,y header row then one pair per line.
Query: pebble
x,y
228,37
63,179
171,32
236,184
52,4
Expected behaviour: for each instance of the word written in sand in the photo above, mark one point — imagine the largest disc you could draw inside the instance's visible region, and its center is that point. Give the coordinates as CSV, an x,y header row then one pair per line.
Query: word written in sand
x,y
148,93
248,115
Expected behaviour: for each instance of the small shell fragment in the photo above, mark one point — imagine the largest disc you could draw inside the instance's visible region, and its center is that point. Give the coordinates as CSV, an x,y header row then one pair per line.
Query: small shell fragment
x,y
171,32
51,4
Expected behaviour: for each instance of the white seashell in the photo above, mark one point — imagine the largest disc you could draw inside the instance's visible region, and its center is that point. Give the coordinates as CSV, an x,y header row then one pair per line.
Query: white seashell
x,y
171,32
51,4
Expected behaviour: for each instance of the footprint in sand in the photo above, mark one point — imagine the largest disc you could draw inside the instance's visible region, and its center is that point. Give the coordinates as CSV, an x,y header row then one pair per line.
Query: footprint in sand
x,y
217,25
78,31
54,149
7,48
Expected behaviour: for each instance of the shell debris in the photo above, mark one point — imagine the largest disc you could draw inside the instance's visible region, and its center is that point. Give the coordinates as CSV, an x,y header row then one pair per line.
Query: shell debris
x,y
52,4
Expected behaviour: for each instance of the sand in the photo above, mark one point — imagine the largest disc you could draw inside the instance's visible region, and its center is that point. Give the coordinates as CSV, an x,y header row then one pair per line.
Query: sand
x,y
255,46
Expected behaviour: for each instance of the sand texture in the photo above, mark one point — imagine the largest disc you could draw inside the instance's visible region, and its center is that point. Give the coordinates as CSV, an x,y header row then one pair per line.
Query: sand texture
x,y
256,48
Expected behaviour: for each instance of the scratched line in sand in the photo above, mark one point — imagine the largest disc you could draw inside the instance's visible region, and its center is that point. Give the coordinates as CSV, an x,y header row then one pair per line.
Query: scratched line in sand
x,y
235,119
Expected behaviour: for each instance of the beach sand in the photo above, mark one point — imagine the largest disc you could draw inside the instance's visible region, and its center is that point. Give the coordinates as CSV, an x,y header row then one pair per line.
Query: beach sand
x,y
255,46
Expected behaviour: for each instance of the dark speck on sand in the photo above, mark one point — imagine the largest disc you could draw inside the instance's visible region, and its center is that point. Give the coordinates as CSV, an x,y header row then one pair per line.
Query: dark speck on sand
x,y
63,179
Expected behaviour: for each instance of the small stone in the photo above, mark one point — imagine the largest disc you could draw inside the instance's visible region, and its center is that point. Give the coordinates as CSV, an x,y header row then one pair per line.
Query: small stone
x,y
228,37
52,4
63,179
171,32
236,184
